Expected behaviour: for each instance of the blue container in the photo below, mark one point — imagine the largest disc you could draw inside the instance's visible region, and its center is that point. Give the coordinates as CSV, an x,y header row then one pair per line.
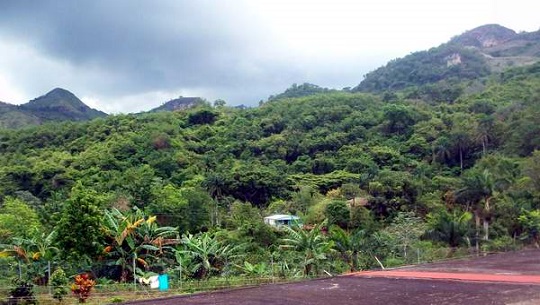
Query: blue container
x,y
163,282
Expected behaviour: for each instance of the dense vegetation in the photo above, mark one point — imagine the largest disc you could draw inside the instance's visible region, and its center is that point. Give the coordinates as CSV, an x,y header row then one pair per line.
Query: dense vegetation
x,y
371,178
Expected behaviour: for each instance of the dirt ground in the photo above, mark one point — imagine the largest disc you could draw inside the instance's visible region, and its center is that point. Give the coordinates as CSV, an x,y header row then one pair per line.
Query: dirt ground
x,y
390,289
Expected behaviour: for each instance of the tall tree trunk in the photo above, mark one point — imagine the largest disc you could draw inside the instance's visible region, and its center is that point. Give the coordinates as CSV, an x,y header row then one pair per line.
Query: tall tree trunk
x,y
487,209
461,158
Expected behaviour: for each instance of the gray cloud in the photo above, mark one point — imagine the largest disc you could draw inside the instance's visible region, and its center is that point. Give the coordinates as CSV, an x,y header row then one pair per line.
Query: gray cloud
x,y
131,55
140,46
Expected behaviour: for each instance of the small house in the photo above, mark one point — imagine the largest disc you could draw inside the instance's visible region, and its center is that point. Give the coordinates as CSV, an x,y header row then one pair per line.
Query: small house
x,y
278,220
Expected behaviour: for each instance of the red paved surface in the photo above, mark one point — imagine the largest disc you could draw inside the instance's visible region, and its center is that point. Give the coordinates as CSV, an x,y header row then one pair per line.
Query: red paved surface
x,y
474,277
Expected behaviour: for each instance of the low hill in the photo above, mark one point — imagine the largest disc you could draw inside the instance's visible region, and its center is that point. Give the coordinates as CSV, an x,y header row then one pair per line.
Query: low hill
x,y
305,89
178,104
57,105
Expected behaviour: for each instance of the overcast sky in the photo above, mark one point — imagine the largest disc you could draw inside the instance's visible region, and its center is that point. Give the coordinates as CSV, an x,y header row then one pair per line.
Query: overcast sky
x,y
122,56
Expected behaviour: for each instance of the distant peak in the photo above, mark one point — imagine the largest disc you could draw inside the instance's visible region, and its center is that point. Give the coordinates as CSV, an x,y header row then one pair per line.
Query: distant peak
x,y
485,36
178,104
59,92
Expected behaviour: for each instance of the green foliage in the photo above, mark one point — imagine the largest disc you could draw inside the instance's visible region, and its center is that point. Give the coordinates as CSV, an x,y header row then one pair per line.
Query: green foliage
x,y
338,213
406,228
436,144
310,244
59,283
424,68
295,90
134,240
17,219
79,228
530,220
206,254
450,228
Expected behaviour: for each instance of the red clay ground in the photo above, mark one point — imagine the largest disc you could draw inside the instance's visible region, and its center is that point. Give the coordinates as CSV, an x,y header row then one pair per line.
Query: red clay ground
x,y
495,280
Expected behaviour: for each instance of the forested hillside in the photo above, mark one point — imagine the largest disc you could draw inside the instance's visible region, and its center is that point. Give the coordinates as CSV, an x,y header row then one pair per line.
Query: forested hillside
x,y
391,170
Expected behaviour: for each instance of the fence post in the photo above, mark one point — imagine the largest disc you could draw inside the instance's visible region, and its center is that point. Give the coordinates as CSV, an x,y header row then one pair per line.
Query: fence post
x,y
134,278
272,265
20,269
180,275
49,276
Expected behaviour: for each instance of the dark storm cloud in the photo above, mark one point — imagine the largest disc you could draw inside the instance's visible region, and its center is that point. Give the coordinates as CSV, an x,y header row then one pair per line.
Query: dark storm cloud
x,y
139,46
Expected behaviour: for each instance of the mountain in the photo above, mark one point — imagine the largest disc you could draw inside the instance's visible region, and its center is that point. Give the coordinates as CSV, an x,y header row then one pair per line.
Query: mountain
x,y
61,105
57,105
485,36
178,104
467,57
501,46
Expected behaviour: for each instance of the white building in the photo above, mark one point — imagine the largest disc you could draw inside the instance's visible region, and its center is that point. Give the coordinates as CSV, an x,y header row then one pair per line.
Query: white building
x,y
282,220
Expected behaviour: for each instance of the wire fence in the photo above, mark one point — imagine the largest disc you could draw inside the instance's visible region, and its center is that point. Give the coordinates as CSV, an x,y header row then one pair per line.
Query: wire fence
x,y
107,292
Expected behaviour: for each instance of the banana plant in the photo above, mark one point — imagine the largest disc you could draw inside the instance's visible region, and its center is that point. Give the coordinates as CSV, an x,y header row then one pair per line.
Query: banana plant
x,y
35,252
310,243
135,241
207,254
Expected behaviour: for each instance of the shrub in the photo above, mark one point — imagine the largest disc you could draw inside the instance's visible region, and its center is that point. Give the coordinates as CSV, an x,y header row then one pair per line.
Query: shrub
x,y
59,282
23,293
83,286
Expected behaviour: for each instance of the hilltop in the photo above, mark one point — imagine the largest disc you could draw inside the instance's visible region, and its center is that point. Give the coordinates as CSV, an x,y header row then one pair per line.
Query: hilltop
x,y
180,103
57,105
440,73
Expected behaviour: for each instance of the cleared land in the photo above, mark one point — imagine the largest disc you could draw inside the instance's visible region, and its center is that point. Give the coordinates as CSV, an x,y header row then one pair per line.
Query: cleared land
x,y
491,283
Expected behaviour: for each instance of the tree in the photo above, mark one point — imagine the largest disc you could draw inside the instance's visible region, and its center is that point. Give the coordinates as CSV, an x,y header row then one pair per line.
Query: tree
x,y
530,220
17,220
338,213
399,118
187,208
349,245
79,233
449,227
483,184
406,228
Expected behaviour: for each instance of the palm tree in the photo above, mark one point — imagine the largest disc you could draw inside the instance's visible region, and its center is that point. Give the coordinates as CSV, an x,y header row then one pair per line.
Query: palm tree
x,y
478,187
450,228
348,245
441,150
214,183
310,243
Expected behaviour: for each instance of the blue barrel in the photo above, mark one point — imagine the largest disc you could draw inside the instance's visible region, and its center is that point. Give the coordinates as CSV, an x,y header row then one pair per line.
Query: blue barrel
x,y
163,282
